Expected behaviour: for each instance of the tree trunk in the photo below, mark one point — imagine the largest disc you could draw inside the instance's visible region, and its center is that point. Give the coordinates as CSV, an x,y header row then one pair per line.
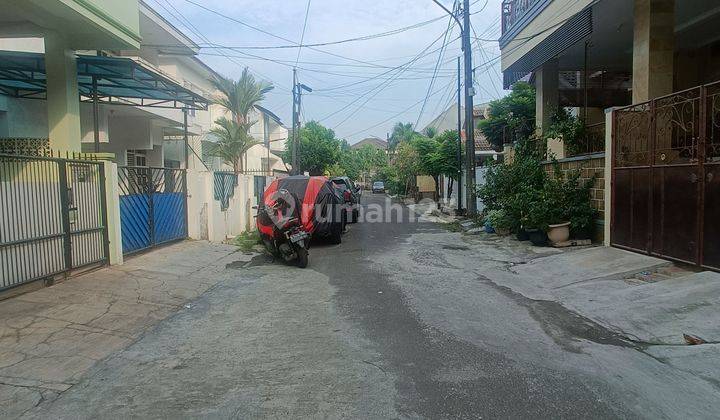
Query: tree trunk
x,y
450,188
436,178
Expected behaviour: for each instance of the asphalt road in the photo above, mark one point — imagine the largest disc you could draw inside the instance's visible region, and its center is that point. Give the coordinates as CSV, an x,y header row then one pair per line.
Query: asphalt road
x,y
397,322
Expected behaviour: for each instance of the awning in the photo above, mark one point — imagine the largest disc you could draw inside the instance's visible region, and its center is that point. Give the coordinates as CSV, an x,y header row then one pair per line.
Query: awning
x,y
574,30
117,81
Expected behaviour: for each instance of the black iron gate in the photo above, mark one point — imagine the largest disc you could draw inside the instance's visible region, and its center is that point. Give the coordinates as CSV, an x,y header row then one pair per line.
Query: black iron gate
x,y
52,217
666,177
153,206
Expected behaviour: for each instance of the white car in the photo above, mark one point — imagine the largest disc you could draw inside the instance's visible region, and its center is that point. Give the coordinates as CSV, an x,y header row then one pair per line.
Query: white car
x,y
378,187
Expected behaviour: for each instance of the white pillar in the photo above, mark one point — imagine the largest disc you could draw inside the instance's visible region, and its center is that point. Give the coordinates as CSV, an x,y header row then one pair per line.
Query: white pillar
x,y
546,93
653,49
63,101
609,128
112,200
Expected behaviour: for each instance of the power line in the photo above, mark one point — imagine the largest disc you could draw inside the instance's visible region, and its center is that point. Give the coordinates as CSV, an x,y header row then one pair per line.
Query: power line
x,y
398,114
437,65
188,24
302,37
278,36
380,86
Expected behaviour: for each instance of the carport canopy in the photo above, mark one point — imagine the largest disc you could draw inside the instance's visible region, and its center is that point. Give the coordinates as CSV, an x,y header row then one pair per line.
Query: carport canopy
x,y
115,80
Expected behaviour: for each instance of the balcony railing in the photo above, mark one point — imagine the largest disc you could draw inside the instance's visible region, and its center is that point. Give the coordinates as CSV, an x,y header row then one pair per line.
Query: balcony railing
x,y
513,11
593,141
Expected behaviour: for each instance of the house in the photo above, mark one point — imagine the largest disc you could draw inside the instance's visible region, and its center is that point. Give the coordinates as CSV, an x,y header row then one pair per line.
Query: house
x,y
104,111
375,142
484,151
640,74
62,28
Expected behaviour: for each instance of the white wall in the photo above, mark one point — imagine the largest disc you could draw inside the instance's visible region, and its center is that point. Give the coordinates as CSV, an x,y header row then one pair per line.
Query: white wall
x,y
206,219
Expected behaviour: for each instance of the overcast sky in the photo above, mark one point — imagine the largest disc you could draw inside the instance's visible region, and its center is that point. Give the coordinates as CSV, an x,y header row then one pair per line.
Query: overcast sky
x,y
339,82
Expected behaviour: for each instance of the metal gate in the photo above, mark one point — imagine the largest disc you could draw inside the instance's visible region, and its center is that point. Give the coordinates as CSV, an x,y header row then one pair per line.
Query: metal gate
x,y
52,217
666,177
153,206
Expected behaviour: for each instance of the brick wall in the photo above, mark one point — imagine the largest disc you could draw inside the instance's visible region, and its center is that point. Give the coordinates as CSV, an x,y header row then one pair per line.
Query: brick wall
x,y
588,165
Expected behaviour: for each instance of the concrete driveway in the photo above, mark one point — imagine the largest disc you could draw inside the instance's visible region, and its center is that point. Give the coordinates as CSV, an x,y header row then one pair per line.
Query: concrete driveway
x,y
403,320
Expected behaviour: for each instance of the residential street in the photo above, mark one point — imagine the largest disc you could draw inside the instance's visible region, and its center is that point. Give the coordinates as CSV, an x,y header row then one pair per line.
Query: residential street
x,y
402,320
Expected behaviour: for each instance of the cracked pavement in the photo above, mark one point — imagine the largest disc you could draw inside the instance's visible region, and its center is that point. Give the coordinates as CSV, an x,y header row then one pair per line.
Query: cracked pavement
x,y
403,320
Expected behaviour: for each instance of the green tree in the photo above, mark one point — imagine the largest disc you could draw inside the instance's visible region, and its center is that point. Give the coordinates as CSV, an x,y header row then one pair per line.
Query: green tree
x,y
514,114
447,157
233,141
430,132
238,98
405,166
319,149
402,132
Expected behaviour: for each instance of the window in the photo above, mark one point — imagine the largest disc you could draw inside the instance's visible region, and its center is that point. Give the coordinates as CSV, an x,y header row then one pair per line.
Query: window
x,y
136,158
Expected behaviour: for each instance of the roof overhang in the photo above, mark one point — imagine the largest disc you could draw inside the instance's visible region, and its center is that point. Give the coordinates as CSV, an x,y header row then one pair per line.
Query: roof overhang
x,y
115,80
269,114
157,32
86,24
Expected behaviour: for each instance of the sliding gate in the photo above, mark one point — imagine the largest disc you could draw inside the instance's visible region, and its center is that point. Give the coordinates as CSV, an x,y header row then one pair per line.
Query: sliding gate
x,y
153,206
52,217
666,177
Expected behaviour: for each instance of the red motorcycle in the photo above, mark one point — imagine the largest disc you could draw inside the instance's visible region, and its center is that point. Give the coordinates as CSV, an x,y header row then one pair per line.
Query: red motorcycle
x,y
288,240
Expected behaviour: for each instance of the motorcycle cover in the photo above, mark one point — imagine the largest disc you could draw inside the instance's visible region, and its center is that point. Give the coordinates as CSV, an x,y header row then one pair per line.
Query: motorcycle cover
x,y
319,204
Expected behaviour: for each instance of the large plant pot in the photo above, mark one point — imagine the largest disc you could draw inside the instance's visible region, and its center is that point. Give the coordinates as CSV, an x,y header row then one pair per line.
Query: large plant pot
x,y
522,235
502,232
559,233
538,237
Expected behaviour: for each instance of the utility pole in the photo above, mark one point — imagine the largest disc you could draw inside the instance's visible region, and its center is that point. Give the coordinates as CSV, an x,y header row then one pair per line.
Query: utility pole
x,y
297,103
469,92
295,120
469,119
459,145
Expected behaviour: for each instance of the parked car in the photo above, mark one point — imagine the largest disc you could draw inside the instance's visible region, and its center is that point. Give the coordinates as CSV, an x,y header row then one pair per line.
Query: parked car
x,y
318,201
378,187
351,196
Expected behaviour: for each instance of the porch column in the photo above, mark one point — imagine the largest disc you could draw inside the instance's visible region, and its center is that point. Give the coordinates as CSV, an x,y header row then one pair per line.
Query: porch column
x,y
653,49
63,101
546,99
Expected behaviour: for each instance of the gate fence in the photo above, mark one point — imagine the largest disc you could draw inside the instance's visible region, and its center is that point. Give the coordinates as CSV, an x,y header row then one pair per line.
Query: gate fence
x,y
153,206
666,177
52,217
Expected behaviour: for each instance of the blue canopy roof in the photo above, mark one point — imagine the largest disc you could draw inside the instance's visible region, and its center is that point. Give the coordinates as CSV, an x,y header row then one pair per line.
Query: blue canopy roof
x,y
117,80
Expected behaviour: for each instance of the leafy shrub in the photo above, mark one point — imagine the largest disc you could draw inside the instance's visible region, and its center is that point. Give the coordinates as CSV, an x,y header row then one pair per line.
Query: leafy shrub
x,y
509,187
499,220
568,127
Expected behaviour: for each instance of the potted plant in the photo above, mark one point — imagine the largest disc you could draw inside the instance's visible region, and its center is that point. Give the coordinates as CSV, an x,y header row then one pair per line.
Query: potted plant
x,y
582,214
556,197
535,219
500,221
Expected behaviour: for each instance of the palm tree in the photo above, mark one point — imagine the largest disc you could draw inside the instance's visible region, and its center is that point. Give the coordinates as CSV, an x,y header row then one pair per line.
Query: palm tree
x,y
431,132
401,132
238,97
233,141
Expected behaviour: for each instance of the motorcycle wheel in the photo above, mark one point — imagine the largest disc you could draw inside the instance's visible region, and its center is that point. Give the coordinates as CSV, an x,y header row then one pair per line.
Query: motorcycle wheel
x,y
302,257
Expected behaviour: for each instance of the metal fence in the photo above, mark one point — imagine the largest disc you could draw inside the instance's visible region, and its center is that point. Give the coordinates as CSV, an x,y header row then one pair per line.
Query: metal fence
x,y
592,141
153,206
666,177
52,219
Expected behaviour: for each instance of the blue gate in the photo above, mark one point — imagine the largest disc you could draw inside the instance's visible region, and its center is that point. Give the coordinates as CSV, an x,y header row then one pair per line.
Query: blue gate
x,y
153,206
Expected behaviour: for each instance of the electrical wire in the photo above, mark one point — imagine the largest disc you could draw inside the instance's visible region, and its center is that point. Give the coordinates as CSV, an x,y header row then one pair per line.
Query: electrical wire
x,y
396,115
302,37
437,65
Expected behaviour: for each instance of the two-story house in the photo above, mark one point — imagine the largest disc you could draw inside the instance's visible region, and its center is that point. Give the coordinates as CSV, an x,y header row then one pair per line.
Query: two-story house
x,y
641,74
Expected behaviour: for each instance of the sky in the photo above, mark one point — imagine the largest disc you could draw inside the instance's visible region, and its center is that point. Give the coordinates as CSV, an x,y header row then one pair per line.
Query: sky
x,y
357,89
